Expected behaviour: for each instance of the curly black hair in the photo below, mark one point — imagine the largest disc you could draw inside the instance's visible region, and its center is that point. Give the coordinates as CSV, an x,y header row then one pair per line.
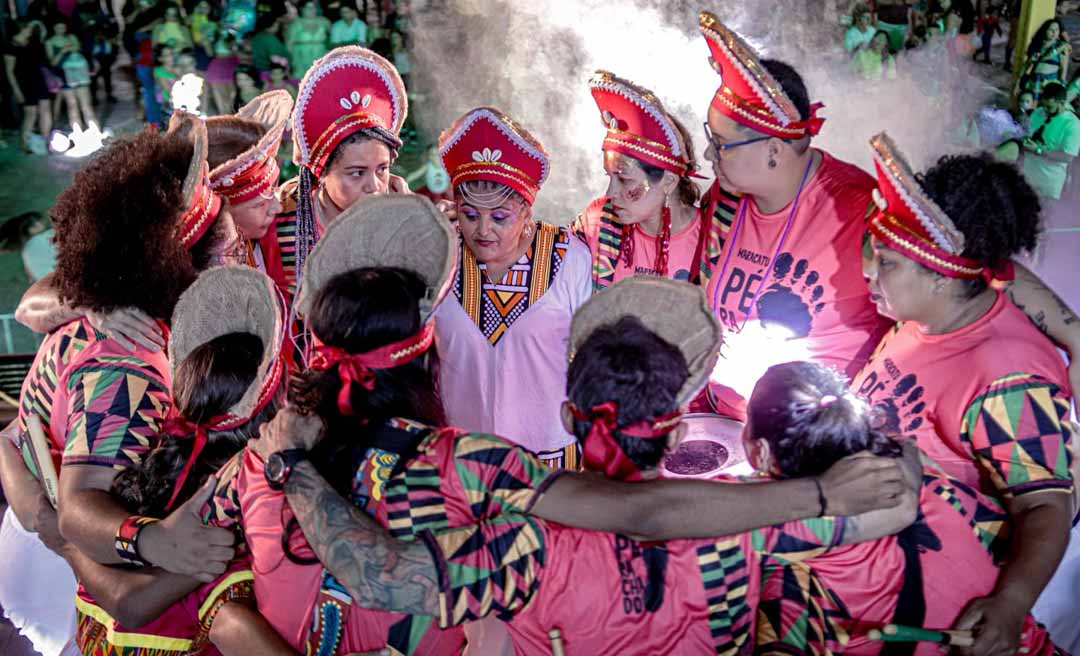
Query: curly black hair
x,y
810,419
627,363
991,204
116,227
208,382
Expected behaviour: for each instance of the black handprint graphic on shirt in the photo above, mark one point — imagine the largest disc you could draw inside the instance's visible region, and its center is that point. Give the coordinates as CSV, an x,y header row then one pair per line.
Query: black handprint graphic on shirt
x,y
901,409
793,296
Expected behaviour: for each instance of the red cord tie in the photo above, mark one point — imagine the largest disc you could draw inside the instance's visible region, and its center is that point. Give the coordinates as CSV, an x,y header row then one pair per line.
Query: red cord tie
x,y
602,452
176,426
359,368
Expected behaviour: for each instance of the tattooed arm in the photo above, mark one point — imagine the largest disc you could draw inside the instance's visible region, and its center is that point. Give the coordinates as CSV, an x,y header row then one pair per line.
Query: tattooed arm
x,y
1045,309
377,570
1050,314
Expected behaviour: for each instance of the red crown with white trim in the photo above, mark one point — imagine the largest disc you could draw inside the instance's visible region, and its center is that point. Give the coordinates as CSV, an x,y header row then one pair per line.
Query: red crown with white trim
x,y
201,204
254,172
348,89
910,222
637,125
486,144
748,94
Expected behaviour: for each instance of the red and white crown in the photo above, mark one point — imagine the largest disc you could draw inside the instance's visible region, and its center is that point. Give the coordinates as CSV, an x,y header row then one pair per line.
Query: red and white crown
x,y
748,94
201,204
910,222
254,172
348,89
637,124
486,144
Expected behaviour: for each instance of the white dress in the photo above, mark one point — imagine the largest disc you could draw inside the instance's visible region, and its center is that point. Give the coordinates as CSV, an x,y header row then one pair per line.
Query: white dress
x,y
37,589
514,387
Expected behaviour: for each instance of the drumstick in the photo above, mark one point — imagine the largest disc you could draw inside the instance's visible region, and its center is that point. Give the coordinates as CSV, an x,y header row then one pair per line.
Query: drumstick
x,y
900,633
39,450
557,648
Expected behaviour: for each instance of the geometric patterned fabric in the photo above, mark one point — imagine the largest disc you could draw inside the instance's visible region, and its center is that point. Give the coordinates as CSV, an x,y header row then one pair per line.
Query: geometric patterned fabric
x,y
108,402
533,570
949,556
182,630
495,305
451,479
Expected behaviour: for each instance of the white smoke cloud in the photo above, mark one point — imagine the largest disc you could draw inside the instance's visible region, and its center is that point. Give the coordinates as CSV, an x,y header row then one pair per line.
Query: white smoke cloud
x,y
533,59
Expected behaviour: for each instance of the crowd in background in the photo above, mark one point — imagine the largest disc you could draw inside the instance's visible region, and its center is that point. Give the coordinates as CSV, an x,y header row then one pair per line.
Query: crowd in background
x,y
1038,129
223,53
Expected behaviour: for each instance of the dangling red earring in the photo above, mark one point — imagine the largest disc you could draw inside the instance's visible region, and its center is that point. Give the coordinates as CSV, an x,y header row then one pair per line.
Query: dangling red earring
x,y
663,241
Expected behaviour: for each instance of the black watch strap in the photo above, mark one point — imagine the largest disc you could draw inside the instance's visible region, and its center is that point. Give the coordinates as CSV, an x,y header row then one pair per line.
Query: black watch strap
x,y
280,465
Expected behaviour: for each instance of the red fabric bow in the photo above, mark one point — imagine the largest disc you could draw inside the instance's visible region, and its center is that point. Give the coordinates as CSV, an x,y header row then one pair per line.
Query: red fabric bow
x,y
357,367
602,452
1005,272
176,425
813,122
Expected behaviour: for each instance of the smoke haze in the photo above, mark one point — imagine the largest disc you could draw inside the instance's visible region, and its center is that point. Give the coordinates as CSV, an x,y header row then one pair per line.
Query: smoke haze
x,y
534,59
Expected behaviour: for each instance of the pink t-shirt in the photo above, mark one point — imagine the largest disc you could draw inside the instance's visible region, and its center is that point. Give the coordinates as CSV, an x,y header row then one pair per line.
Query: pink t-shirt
x,y
925,575
287,591
682,248
989,402
814,304
595,587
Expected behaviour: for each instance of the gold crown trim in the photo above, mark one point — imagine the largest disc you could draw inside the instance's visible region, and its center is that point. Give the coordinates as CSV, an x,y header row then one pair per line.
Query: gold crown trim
x,y
916,248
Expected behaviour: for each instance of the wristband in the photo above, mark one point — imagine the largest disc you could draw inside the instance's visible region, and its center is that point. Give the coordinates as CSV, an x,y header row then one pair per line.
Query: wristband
x,y
127,539
820,497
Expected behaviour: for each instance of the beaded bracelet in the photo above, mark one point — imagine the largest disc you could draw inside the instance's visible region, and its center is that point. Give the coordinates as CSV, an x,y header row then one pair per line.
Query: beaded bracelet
x,y
127,539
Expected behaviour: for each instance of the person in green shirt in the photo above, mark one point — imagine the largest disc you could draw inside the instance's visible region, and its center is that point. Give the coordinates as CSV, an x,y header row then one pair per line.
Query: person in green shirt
x,y
266,45
1053,143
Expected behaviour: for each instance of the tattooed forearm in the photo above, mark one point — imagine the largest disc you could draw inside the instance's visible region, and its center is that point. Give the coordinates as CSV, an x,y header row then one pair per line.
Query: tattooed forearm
x,y
377,570
1067,315
1047,310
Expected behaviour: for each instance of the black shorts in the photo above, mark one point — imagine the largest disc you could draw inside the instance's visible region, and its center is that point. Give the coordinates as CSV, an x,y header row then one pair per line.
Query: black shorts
x,y
34,91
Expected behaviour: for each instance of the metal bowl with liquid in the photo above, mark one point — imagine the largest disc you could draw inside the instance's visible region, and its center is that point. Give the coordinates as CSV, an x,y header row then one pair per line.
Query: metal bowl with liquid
x,y
712,446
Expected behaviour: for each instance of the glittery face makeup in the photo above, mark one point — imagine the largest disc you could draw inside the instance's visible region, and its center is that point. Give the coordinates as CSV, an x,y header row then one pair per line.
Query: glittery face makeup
x,y
636,192
633,198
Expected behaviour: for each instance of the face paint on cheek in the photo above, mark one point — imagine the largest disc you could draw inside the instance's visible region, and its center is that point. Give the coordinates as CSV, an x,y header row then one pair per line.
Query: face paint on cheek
x,y
636,193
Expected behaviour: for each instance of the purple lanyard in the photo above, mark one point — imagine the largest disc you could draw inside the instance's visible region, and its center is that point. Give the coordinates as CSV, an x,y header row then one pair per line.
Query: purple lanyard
x,y
730,243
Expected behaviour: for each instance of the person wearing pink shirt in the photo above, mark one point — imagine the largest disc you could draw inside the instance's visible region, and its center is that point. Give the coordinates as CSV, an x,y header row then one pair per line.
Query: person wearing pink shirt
x,y
967,375
648,222
789,280
981,389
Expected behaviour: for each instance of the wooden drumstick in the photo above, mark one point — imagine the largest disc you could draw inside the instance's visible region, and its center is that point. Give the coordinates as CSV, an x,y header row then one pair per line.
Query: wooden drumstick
x,y
557,648
39,450
900,633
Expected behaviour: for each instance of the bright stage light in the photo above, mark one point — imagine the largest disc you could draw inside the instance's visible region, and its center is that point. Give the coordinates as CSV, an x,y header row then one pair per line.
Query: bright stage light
x,y
84,142
187,94
747,354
